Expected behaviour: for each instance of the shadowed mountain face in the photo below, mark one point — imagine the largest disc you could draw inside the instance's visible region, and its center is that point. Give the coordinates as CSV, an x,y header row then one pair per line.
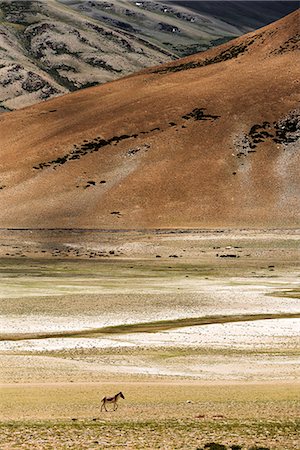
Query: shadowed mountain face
x,y
246,15
211,140
48,48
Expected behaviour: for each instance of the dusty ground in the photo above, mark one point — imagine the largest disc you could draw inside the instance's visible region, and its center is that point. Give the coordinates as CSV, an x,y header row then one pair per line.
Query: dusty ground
x,y
234,383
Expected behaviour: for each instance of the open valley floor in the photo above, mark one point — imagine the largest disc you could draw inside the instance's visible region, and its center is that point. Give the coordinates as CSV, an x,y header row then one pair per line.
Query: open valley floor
x,y
199,329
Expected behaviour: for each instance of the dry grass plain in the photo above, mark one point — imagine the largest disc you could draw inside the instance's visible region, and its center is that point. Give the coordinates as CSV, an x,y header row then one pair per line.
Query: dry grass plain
x,y
205,348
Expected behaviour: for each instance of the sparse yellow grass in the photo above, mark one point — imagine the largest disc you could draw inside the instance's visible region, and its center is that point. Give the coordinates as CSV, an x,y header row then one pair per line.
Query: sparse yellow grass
x,y
154,414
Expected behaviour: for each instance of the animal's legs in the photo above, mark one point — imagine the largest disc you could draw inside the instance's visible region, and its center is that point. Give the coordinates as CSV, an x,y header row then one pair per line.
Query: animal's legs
x,y
103,406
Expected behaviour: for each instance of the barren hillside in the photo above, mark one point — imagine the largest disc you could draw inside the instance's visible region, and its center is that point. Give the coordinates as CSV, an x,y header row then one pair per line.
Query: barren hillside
x,y
52,47
210,140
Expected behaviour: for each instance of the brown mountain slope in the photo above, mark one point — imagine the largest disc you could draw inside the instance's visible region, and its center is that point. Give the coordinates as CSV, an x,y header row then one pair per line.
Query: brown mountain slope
x,y
208,141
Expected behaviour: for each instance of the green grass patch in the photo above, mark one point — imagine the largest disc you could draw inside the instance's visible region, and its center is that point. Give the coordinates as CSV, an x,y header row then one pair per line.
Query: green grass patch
x,y
286,293
149,327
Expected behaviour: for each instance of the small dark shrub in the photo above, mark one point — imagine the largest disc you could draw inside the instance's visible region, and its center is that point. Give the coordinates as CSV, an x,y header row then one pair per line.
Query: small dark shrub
x,y
254,447
214,446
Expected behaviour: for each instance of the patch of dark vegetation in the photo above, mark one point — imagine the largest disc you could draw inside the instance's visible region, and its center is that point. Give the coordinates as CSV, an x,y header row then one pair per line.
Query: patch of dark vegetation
x,y
199,114
132,151
37,29
66,67
95,61
13,74
39,50
288,46
285,131
120,24
166,27
254,447
89,184
88,147
216,446
79,151
88,84
232,52
180,67
135,150
112,36
80,38
17,11
183,50
60,48
33,82
47,91
63,81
